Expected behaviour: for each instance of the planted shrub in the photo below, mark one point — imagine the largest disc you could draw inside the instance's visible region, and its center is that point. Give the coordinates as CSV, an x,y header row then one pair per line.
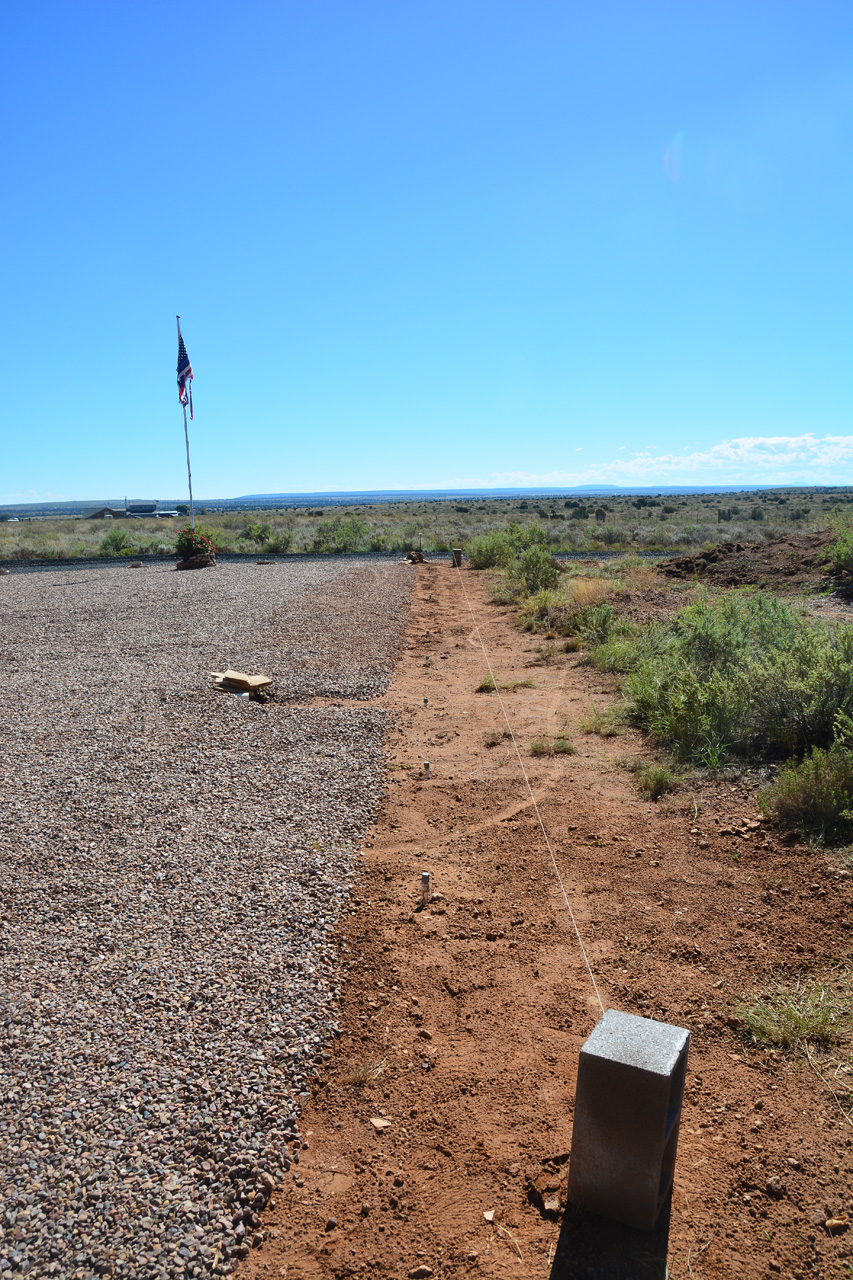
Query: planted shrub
x,y
192,542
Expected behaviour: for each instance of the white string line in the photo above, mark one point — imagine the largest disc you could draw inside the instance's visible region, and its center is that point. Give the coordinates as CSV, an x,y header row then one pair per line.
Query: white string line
x,y
532,796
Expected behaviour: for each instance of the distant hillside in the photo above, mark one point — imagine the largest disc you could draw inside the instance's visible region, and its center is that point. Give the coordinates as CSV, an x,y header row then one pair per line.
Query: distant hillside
x,y
336,498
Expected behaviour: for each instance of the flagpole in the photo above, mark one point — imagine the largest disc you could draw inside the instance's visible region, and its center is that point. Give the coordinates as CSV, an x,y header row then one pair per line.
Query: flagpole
x,y
189,473
187,440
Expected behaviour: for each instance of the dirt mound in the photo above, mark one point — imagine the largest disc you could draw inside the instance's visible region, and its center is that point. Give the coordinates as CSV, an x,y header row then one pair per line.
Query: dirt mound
x,y
792,560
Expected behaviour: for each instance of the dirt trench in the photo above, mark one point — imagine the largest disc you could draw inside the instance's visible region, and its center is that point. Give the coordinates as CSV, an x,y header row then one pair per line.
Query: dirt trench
x,y
446,1109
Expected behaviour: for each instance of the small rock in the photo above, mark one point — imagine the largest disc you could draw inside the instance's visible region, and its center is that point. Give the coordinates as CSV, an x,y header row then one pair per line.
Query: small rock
x,y
331,1225
489,1215
423,1272
423,1034
379,1123
776,1188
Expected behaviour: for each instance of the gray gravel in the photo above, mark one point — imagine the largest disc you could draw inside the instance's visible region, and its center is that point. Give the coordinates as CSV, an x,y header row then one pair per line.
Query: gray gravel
x,y
173,861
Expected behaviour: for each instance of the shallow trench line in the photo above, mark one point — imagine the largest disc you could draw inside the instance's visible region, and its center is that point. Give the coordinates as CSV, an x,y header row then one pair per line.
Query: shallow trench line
x,y
530,793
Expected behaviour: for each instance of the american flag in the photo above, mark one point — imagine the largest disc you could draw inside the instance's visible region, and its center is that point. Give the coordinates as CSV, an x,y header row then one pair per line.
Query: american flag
x,y
185,374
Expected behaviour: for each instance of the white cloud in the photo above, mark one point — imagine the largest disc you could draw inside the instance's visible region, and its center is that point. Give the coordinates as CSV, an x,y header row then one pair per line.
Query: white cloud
x,y
31,495
772,460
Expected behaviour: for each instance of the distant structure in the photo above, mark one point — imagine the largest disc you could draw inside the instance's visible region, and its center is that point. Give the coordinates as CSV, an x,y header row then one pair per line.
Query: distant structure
x,y
101,513
140,508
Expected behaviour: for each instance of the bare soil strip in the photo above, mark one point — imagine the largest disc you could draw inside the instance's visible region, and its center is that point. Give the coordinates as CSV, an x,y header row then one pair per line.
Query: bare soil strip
x,y
437,1139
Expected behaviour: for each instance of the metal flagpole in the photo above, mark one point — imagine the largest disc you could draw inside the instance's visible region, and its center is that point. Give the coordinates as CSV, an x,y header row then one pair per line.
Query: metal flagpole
x,y
187,439
189,473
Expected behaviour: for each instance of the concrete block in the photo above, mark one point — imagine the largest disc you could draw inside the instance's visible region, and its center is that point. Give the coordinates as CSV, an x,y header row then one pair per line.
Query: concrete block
x,y
627,1113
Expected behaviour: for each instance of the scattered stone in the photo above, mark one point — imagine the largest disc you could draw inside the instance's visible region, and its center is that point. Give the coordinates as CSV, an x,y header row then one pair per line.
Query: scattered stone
x,y
423,1272
331,1225
379,1123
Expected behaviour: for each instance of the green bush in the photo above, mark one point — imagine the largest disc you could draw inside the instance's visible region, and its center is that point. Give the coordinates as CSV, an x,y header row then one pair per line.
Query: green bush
x,y
116,543
738,675
538,570
839,556
342,534
500,549
256,532
816,795
280,543
491,551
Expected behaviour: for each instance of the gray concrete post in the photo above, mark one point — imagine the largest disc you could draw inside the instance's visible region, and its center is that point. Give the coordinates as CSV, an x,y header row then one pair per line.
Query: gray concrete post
x,y
627,1114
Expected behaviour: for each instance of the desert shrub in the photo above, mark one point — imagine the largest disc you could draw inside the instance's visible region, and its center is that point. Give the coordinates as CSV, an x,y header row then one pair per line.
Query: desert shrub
x,y
816,794
563,747
538,569
486,685
656,780
618,654
256,532
593,622
839,555
741,674
280,543
502,548
116,543
491,551
341,534
541,747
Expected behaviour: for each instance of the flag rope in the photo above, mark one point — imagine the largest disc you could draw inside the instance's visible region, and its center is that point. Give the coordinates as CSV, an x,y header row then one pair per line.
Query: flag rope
x,y
532,796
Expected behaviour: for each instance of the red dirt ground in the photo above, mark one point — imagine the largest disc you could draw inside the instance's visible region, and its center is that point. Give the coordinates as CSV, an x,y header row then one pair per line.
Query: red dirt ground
x,y
461,1023
792,561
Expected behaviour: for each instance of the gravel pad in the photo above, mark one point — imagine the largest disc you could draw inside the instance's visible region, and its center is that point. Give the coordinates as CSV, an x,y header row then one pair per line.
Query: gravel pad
x,y
173,861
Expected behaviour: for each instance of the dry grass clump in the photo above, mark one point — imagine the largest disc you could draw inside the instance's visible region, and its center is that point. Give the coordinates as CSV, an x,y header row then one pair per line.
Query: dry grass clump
x,y
807,1013
643,577
552,747
601,722
584,592
365,1072
656,780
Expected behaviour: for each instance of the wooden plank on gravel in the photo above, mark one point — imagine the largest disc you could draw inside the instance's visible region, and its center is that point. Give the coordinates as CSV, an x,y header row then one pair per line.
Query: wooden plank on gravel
x,y
239,680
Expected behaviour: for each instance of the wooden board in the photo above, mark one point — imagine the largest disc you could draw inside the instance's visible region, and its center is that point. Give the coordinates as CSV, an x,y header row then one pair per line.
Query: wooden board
x,y
239,680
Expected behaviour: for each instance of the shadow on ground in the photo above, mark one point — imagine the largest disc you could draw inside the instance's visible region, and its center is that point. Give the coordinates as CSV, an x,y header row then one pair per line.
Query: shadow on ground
x,y
595,1247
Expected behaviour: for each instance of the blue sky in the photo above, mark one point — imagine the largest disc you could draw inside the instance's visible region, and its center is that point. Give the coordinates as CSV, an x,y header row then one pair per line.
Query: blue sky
x,y
425,244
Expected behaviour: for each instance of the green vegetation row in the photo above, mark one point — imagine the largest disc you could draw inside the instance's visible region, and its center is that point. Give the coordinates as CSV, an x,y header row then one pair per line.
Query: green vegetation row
x,y
622,523
735,675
